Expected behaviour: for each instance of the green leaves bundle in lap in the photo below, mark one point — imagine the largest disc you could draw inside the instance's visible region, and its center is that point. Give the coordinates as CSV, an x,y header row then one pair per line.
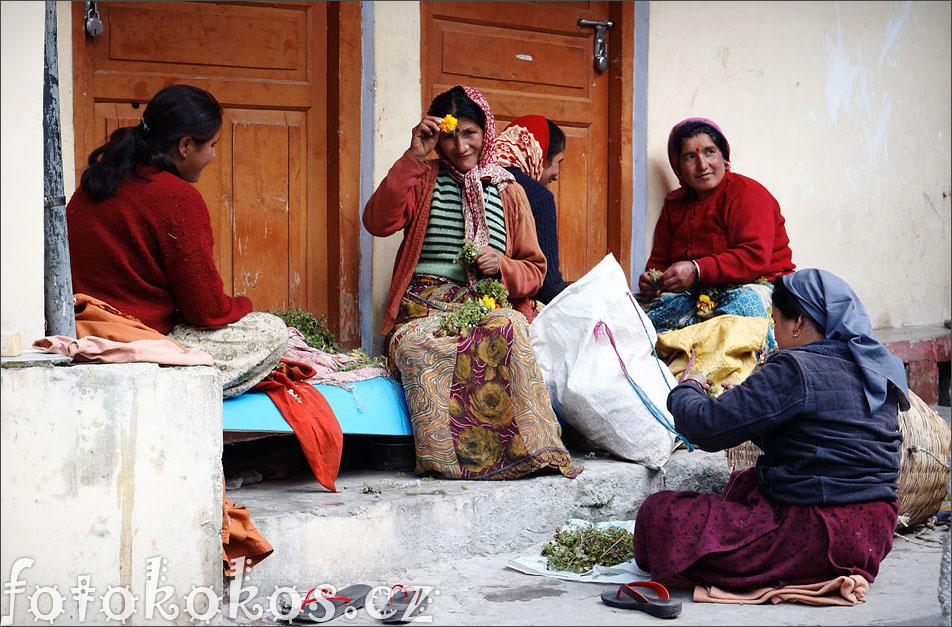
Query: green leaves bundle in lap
x,y
467,256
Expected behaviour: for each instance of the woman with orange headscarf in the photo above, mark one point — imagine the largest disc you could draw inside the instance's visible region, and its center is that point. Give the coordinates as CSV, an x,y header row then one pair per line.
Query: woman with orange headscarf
x,y
532,148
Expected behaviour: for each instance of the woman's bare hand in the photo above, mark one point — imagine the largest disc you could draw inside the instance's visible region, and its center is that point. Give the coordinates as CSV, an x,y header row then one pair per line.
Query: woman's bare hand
x,y
701,380
646,286
424,136
679,276
488,261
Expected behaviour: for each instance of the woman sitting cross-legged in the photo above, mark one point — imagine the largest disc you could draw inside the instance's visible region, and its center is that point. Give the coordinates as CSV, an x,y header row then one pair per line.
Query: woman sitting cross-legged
x,y
719,241
478,404
821,501
140,238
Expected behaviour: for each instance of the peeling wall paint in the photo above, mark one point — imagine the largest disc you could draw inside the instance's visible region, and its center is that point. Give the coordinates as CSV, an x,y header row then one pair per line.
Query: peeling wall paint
x,y
397,110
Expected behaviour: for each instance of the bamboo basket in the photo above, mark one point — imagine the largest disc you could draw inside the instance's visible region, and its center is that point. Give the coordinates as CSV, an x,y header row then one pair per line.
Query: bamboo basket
x,y
923,469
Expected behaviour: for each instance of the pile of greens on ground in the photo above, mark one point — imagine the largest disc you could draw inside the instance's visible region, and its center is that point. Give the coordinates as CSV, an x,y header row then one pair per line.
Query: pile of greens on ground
x,y
580,548
317,335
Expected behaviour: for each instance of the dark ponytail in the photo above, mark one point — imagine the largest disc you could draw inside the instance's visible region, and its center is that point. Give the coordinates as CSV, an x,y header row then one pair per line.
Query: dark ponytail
x,y
174,112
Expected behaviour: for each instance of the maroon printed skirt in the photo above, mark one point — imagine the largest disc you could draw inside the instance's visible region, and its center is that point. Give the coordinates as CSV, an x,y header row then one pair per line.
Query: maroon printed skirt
x,y
740,539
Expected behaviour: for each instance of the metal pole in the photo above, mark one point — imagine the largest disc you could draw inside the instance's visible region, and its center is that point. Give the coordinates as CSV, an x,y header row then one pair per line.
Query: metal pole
x,y
58,282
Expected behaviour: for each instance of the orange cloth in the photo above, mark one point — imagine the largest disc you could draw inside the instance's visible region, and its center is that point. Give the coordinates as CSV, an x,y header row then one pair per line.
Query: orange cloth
x,y
843,590
99,318
310,416
239,537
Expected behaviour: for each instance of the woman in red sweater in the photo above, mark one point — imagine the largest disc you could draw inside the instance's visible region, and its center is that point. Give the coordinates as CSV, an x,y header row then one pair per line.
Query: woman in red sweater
x,y
140,238
720,236
478,405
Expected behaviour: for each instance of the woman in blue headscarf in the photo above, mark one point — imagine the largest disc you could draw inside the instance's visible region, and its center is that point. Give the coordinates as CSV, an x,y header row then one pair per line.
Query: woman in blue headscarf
x,y
821,502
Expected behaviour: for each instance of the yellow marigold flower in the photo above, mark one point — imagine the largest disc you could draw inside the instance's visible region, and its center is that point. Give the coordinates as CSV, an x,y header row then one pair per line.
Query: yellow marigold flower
x,y
490,302
448,125
704,298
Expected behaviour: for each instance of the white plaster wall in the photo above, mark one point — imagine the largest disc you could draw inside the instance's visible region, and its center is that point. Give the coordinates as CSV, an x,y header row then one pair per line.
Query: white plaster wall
x,y
842,110
21,168
104,467
397,110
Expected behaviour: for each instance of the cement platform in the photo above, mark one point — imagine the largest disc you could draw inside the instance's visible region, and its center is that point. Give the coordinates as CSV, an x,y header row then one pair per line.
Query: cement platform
x,y
454,537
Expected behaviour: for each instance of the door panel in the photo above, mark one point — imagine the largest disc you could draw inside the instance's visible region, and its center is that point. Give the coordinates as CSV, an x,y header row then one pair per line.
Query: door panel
x,y
269,237
532,57
267,190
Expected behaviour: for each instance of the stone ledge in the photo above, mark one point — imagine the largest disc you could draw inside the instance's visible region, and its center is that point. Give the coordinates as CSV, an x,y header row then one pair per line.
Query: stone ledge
x,y
110,471
922,350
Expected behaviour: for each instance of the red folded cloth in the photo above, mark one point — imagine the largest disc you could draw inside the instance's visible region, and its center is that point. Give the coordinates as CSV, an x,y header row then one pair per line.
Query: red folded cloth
x,y
310,416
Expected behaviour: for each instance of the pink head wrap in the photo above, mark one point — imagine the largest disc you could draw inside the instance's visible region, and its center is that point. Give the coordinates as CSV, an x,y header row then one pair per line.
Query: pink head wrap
x,y
674,153
487,167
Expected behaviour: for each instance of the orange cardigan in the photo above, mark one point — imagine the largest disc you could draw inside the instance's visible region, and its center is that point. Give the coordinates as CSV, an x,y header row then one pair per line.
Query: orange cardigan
x,y
402,201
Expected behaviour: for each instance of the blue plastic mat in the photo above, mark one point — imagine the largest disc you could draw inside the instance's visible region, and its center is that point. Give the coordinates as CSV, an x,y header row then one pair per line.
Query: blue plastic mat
x,y
373,407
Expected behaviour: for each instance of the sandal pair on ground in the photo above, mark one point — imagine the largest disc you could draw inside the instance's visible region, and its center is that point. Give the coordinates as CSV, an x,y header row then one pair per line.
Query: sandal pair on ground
x,y
401,607
629,598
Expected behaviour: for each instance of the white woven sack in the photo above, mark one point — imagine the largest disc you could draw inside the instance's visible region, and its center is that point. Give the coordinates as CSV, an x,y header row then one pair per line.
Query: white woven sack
x,y
589,390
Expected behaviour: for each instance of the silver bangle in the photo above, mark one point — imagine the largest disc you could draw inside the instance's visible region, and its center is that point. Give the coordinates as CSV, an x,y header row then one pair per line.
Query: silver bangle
x,y
697,270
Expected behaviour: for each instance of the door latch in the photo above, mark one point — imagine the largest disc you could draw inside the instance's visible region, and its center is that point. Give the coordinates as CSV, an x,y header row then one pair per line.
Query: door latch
x,y
93,24
601,50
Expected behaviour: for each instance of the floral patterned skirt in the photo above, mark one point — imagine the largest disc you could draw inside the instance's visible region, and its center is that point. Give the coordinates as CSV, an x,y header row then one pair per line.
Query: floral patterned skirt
x,y
245,351
478,405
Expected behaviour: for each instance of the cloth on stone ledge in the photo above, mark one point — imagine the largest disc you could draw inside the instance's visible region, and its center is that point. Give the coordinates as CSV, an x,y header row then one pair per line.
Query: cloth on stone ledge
x,y
326,365
90,348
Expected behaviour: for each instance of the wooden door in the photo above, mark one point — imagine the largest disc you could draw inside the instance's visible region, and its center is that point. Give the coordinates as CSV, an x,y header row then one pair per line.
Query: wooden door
x,y
273,196
534,58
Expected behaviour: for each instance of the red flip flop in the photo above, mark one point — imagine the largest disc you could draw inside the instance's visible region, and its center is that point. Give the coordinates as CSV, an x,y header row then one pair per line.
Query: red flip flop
x,y
626,597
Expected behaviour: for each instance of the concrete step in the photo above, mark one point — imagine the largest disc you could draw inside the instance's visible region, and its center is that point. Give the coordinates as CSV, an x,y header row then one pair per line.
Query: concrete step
x,y
396,522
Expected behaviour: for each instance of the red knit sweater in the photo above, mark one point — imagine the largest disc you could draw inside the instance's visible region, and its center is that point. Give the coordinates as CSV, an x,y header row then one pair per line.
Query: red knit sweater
x,y
147,251
736,234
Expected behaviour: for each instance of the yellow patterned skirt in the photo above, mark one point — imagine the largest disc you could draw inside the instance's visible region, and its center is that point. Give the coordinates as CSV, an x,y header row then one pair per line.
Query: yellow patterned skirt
x,y
478,405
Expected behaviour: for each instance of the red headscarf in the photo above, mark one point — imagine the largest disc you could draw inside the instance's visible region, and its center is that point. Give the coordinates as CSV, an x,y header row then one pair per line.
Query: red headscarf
x,y
524,144
487,167
674,154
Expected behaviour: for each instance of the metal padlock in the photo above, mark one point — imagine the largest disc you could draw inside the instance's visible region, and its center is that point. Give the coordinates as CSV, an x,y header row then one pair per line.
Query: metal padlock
x,y
94,25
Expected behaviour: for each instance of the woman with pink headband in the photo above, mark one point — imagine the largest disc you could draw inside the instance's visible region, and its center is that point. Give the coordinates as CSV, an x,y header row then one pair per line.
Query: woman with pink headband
x,y
719,229
478,404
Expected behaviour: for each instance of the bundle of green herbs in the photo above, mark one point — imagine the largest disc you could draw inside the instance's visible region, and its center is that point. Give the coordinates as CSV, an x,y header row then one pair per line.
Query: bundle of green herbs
x,y
468,254
314,329
579,549
492,295
317,335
